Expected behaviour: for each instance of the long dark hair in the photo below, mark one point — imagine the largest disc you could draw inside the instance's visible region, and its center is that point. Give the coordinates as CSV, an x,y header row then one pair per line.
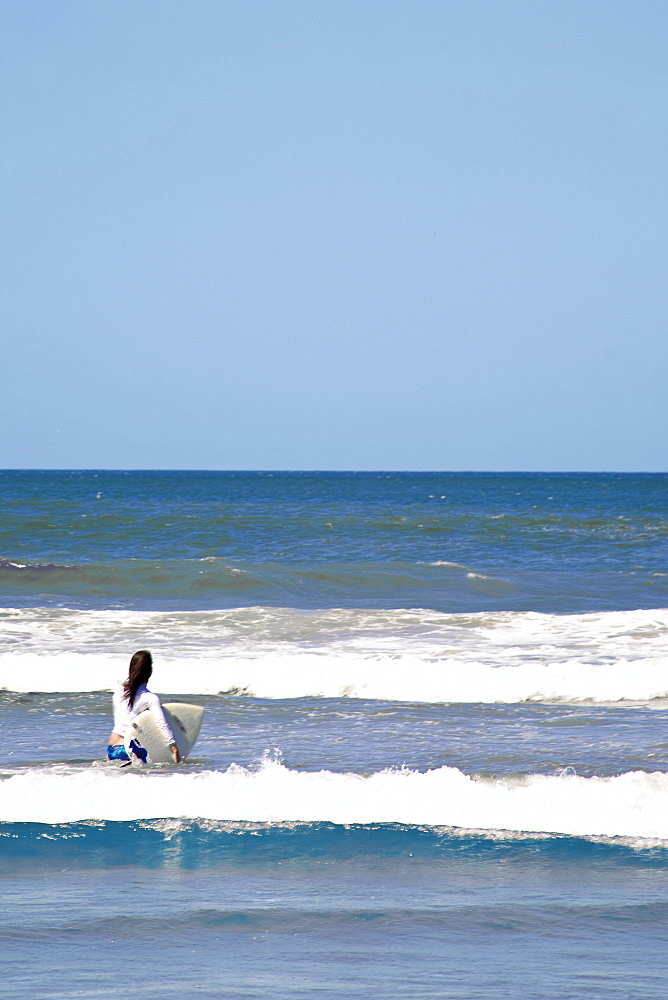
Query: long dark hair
x,y
141,668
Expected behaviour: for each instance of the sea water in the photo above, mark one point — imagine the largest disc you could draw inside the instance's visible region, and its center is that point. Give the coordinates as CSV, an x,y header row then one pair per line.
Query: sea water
x,y
434,754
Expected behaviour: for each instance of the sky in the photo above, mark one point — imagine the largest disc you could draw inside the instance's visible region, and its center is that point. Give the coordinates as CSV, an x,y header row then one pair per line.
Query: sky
x,y
334,234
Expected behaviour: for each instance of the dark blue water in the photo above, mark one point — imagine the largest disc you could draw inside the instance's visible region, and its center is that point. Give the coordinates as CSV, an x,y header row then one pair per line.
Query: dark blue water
x,y
557,542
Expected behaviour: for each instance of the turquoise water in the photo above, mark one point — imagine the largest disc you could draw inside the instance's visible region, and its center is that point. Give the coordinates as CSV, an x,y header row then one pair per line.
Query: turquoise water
x,y
433,761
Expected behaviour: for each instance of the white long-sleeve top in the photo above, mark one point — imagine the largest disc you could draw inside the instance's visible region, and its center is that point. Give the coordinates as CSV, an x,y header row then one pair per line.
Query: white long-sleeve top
x,y
124,715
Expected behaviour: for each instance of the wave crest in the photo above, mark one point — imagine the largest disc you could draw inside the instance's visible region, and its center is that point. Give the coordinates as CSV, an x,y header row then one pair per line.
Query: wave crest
x,y
631,805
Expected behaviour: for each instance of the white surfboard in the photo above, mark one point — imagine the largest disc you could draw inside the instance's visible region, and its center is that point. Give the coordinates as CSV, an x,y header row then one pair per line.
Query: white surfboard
x,y
184,720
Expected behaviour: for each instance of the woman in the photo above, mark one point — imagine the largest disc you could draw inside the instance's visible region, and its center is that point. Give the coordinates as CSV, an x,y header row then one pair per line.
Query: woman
x,y
132,698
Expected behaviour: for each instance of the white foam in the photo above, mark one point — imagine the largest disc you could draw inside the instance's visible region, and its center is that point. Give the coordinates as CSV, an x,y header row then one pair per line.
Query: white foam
x,y
303,675
631,805
392,655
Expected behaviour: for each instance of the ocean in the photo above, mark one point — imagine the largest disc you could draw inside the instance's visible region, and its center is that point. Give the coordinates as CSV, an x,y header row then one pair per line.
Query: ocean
x,y
434,755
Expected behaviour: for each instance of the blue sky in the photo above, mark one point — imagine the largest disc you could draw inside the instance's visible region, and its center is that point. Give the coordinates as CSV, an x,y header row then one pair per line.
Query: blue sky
x,y
334,234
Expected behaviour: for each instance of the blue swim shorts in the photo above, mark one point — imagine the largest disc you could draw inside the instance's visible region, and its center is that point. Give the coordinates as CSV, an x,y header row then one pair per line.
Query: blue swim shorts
x,y
118,752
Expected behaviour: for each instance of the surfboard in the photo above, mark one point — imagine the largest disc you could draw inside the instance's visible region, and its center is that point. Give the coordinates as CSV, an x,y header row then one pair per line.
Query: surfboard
x,y
184,720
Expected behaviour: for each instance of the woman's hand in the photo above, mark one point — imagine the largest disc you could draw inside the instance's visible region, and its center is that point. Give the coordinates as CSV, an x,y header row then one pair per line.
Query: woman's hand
x,y
175,753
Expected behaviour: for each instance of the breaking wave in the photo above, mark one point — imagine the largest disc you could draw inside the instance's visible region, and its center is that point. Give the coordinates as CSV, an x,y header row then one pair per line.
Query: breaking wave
x,y
631,805
403,655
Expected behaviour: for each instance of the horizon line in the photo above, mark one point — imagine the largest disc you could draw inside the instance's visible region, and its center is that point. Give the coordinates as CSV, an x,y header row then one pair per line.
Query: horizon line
x,y
268,471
